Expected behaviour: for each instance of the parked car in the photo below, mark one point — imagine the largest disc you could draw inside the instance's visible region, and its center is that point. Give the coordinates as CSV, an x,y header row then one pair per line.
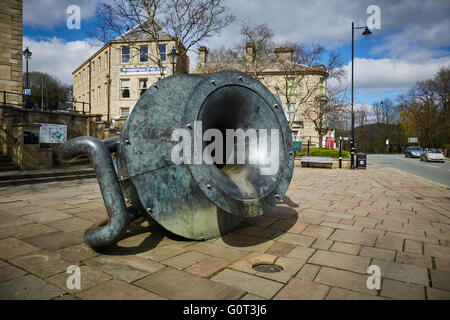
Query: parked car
x,y
413,152
432,154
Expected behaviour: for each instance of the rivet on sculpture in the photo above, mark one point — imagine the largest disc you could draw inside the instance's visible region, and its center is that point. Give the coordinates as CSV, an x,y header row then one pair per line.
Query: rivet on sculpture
x,y
191,199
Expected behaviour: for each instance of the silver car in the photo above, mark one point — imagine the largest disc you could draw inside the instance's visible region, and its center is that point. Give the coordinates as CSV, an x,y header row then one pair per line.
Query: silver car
x,y
432,154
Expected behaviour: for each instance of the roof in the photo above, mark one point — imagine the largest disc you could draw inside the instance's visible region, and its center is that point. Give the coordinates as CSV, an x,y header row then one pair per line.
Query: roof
x,y
139,33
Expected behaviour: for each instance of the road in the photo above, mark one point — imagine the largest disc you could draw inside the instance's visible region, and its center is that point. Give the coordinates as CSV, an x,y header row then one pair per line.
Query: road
x,y
437,172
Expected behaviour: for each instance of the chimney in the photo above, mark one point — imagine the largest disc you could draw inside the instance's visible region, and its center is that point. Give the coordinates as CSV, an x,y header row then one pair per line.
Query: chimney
x,y
284,54
251,52
203,54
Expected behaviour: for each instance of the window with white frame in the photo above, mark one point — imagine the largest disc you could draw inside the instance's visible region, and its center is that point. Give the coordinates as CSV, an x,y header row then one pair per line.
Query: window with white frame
x,y
143,53
124,111
125,54
124,88
291,111
295,135
142,86
162,52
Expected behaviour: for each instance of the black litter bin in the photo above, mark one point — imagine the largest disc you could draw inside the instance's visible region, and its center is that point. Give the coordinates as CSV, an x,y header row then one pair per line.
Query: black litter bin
x,y
361,160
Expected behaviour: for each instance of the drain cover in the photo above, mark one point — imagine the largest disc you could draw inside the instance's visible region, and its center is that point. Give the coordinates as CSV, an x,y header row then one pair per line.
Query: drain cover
x,y
267,268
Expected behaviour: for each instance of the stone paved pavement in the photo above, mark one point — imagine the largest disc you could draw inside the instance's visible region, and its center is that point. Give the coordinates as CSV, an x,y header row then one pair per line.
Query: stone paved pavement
x,y
329,228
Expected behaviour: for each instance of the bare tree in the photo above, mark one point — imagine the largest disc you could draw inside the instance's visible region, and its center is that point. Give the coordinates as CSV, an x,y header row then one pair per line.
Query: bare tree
x,y
188,22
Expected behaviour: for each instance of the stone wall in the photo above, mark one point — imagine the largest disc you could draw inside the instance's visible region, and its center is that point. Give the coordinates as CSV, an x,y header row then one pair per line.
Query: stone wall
x,y
16,120
11,49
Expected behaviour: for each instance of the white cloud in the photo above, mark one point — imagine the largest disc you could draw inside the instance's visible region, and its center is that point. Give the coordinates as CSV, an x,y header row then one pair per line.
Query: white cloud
x,y
47,14
57,57
392,74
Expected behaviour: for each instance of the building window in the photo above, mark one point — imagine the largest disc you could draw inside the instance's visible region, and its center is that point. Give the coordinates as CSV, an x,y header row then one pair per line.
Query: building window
x,y
142,86
124,88
290,82
93,69
125,54
162,51
291,111
106,59
93,97
98,94
143,55
99,64
322,86
106,92
295,135
124,111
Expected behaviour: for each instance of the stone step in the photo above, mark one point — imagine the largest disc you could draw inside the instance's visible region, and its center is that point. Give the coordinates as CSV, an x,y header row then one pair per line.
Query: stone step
x,y
24,181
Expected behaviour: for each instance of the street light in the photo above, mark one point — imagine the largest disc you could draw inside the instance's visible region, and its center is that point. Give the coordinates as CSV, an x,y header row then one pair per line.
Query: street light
x,y
27,54
352,143
173,56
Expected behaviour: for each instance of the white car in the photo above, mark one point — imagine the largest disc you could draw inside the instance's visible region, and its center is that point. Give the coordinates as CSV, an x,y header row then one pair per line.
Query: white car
x,y
432,154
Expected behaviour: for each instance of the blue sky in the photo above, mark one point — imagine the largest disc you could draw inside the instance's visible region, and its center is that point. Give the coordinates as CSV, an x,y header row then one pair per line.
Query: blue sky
x,y
413,42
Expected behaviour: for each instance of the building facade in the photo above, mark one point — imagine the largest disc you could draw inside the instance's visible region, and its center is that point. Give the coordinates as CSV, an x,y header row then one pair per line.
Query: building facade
x,y
300,88
11,50
112,80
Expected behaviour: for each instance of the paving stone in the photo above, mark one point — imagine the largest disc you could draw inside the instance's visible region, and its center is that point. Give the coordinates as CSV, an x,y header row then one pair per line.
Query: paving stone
x,y
117,290
236,240
3,264
219,251
10,272
343,247
344,279
442,264
207,267
290,267
354,237
437,294
402,272
340,261
10,220
262,221
414,259
126,268
88,278
7,200
322,244
250,296
412,237
11,247
341,226
372,252
28,287
259,286
27,210
385,242
344,294
298,289
297,239
72,224
169,283
256,231
440,279
92,215
54,240
301,253
48,216
28,230
400,290
77,253
292,226
184,260
280,249
246,263
318,232
42,263
434,250
163,253
308,272
414,247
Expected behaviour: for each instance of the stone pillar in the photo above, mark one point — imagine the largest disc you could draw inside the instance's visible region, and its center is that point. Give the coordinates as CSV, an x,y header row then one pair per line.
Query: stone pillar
x,y
203,54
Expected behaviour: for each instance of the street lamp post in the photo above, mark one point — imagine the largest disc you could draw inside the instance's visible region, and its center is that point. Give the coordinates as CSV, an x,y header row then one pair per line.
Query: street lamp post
x,y
352,142
27,54
173,56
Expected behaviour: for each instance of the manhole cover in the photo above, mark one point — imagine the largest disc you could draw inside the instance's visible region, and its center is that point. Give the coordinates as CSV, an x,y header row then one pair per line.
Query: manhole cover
x,y
267,268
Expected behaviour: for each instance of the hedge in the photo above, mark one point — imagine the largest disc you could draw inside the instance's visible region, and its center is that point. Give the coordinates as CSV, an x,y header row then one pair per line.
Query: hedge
x,y
316,152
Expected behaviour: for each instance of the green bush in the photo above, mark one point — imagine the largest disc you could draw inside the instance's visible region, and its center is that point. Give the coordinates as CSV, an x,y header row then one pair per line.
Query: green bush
x,y
317,152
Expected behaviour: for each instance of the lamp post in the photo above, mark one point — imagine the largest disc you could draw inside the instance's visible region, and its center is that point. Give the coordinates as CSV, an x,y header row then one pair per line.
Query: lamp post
x,y
173,56
27,54
352,142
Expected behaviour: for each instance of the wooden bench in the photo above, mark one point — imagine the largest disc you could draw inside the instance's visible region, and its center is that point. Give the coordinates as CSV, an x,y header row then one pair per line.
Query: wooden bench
x,y
326,162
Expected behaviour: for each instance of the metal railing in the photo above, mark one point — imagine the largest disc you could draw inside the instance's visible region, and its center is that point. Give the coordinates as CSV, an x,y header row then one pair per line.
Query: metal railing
x,y
44,103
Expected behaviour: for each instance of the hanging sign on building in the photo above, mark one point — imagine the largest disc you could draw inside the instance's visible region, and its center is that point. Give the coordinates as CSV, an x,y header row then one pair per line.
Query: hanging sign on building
x,y
52,133
141,70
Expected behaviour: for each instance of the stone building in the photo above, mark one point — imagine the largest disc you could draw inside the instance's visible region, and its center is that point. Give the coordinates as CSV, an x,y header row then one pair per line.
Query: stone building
x,y
11,50
304,87
111,81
